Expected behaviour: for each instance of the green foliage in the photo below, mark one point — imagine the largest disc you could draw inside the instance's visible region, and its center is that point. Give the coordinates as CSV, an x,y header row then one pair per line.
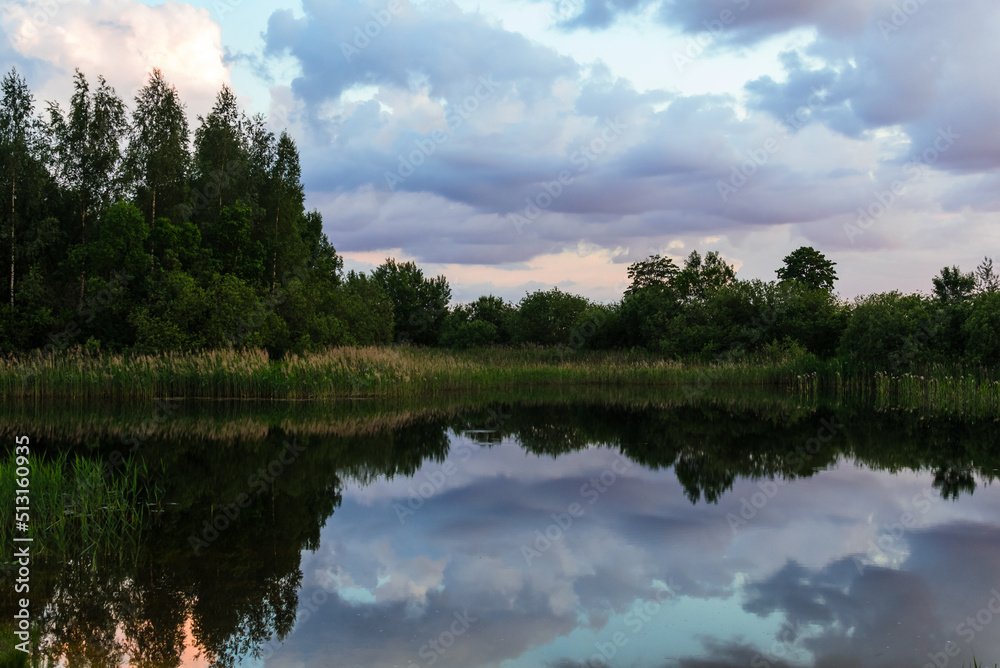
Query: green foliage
x,y
157,160
810,267
470,334
889,331
702,277
367,311
127,237
982,328
653,271
486,321
987,279
548,317
951,285
121,243
177,318
419,304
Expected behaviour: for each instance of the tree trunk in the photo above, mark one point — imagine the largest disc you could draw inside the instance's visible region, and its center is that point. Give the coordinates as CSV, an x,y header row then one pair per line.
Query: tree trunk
x,y
152,225
83,274
274,259
13,182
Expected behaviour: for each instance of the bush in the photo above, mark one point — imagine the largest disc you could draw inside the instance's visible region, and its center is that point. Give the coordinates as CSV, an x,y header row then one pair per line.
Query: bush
x,y
982,328
890,331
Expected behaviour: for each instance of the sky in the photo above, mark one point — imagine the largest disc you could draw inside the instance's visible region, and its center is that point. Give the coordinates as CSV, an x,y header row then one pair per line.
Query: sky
x,y
458,548
516,145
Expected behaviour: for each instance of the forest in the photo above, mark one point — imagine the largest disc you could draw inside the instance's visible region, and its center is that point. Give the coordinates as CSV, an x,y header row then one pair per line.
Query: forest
x,y
128,233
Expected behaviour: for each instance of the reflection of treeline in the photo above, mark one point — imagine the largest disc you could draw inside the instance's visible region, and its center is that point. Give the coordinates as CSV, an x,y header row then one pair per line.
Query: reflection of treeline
x,y
138,597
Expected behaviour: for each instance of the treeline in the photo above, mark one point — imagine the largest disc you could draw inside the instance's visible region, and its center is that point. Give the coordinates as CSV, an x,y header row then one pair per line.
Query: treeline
x,y
701,311
125,232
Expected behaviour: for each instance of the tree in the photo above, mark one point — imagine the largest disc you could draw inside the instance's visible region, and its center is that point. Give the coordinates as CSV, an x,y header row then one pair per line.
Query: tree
x,y
120,243
982,328
87,149
221,157
286,197
701,277
889,331
367,310
21,154
653,271
419,304
548,317
952,286
809,266
987,279
157,160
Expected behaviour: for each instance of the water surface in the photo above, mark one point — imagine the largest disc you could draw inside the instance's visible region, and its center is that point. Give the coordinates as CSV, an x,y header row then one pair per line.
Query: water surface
x,y
559,531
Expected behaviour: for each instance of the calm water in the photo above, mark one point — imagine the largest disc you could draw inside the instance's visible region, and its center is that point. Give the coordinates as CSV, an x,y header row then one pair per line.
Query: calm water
x,y
552,533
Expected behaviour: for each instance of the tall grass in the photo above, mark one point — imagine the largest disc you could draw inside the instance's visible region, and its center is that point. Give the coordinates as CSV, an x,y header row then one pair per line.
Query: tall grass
x,y
75,508
397,372
347,372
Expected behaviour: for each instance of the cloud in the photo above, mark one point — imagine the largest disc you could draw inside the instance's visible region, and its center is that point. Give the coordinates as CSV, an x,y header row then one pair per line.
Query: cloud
x,y
122,40
924,70
446,49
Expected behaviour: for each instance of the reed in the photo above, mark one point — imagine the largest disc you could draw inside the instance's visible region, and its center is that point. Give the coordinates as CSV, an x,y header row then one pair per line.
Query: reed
x,y
369,372
400,372
76,507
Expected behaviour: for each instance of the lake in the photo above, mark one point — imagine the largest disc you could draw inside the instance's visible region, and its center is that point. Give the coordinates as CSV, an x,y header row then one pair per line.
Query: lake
x,y
553,530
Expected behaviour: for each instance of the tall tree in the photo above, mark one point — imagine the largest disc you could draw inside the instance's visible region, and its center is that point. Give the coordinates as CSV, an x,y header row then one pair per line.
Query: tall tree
x,y
21,154
703,276
419,304
221,157
653,271
987,279
952,286
88,154
807,265
157,159
287,200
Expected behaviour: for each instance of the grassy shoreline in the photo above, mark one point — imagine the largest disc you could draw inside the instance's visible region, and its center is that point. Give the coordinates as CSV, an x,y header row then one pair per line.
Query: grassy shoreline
x,y
408,372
